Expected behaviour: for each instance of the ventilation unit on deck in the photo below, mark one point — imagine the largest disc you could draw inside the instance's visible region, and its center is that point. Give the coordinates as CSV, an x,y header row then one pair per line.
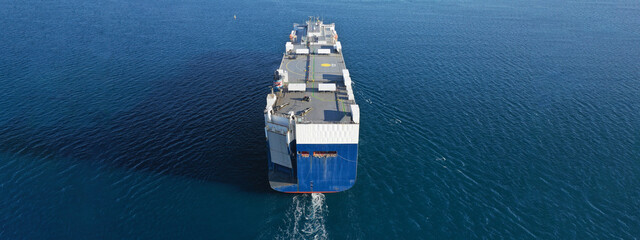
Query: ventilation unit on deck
x,y
289,47
297,87
327,87
338,46
355,113
324,51
345,72
347,80
302,51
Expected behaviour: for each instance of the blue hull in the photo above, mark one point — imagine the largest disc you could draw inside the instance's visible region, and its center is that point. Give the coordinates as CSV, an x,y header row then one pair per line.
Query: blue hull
x,y
320,168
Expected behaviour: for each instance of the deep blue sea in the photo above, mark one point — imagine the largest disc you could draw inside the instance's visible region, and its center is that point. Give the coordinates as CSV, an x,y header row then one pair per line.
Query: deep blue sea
x,y
480,120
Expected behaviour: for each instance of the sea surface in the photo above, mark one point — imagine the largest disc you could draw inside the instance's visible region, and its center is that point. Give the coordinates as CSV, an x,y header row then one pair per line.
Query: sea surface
x,y
480,120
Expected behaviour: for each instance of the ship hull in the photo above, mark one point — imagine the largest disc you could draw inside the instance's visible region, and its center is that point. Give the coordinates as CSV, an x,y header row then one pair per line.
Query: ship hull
x,y
317,173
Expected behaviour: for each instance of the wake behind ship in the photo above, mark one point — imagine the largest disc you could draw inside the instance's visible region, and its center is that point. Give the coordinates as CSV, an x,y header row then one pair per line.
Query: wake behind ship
x,y
312,121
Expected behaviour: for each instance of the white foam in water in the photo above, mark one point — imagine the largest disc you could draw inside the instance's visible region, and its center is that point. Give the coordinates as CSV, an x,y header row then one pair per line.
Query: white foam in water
x,y
306,217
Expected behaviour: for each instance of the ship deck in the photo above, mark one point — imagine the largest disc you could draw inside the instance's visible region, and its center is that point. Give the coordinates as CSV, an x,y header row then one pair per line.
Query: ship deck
x,y
312,70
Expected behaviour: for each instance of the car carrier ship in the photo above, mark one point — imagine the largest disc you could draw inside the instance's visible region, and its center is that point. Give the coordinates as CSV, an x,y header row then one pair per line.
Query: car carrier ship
x,y
312,121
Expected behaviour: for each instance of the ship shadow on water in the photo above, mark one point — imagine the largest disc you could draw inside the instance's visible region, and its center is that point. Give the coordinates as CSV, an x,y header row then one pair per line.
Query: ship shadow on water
x,y
205,124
